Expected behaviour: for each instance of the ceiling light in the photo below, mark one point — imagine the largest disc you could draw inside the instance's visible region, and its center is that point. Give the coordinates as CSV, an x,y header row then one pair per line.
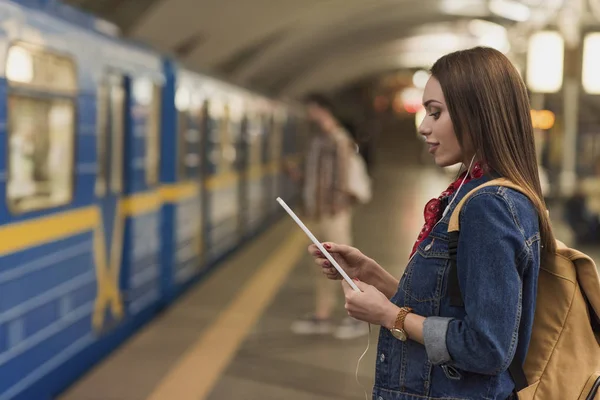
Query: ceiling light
x,y
471,8
545,58
510,9
490,34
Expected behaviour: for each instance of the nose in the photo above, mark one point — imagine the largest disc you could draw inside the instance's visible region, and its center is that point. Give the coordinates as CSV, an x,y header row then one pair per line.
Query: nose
x,y
424,129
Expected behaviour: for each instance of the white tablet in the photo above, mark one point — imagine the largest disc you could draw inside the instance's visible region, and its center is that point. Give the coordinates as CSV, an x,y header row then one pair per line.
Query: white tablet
x,y
318,244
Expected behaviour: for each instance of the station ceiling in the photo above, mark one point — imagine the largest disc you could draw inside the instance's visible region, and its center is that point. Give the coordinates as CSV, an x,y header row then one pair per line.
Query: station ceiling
x,y
290,47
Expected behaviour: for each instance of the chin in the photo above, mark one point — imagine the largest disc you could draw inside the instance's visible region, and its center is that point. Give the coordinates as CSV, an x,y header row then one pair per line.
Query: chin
x,y
444,162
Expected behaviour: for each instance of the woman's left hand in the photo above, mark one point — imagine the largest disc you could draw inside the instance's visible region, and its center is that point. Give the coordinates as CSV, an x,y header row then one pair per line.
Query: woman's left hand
x,y
369,305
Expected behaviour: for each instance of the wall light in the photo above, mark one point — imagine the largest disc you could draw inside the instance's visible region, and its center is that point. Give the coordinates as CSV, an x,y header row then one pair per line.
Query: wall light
x,y
545,59
591,63
542,119
410,99
420,79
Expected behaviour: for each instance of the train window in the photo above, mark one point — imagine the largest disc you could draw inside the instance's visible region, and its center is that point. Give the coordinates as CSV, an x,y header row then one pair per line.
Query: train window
x,y
153,137
41,136
182,124
229,134
279,120
110,130
254,137
35,68
41,128
189,120
117,131
101,138
267,126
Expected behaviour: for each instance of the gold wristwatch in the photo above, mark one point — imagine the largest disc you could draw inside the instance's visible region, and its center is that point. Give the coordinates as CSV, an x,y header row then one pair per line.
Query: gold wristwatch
x,y
398,329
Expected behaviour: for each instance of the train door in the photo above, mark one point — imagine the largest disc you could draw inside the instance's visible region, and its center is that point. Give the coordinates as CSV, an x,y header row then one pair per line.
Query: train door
x,y
265,155
222,180
288,148
188,209
255,195
243,167
236,142
109,191
274,146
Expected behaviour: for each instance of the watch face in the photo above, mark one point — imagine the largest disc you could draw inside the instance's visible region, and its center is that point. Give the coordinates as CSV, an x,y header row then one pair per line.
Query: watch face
x,y
399,334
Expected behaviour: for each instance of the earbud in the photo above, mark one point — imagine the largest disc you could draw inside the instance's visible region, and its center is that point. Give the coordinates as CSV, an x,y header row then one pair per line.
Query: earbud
x,y
445,210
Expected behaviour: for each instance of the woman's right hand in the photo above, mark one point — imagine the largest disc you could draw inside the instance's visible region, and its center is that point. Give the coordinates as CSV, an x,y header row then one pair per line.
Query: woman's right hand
x,y
352,260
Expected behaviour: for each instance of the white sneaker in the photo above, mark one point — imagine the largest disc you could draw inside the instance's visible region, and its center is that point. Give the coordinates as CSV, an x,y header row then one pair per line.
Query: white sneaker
x,y
311,325
351,328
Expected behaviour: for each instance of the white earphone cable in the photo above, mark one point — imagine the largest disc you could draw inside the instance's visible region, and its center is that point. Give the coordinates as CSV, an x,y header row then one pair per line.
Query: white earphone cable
x,y
359,360
459,187
369,335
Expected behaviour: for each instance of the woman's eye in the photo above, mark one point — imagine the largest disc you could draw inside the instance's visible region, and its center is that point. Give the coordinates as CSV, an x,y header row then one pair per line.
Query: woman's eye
x,y
435,115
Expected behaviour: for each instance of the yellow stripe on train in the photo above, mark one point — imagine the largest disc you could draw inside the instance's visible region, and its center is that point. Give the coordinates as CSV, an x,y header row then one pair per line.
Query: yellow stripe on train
x,y
22,235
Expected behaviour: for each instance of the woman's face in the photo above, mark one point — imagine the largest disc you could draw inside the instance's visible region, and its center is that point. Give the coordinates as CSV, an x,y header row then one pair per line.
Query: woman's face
x,y
437,127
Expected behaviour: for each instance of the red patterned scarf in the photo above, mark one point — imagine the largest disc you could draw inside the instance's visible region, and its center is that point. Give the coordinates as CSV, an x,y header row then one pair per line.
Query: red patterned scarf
x,y
433,209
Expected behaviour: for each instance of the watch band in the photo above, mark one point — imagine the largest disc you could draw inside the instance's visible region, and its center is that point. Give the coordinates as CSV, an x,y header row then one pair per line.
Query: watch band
x,y
404,311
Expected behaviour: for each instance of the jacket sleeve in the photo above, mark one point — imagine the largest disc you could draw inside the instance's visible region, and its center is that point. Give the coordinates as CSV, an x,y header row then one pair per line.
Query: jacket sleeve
x,y
491,248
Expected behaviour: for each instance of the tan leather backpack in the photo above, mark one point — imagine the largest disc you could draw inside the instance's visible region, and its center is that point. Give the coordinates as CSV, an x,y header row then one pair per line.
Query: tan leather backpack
x,y
563,360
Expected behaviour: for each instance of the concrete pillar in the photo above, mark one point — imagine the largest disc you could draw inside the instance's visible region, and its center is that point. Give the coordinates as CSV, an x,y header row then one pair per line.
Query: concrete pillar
x,y
571,95
537,103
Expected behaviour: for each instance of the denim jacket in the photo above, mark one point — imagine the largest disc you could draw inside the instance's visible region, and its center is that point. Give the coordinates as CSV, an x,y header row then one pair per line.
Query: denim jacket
x,y
467,349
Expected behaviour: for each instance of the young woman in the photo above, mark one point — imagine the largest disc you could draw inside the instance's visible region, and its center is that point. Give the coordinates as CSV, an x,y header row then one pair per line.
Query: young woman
x,y
477,113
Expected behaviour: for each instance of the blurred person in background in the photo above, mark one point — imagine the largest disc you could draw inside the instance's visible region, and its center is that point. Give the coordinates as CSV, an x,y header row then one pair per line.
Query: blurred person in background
x,y
364,141
430,347
327,210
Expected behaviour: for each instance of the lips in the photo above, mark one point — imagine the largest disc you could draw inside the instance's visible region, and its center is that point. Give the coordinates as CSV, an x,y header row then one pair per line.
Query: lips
x,y
432,146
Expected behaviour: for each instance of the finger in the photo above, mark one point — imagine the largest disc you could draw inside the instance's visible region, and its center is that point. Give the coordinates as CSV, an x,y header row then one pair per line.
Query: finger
x,y
348,308
331,271
336,248
361,285
333,275
313,250
347,289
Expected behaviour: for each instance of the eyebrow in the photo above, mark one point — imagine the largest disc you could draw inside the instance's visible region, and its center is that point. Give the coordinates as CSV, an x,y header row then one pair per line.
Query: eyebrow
x,y
430,101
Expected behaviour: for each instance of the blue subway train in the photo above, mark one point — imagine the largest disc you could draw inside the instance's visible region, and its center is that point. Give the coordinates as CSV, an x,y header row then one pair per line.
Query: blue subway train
x,y
125,177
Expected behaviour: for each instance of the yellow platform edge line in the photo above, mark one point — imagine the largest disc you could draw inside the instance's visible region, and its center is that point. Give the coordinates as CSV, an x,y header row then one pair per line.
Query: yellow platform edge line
x,y
195,374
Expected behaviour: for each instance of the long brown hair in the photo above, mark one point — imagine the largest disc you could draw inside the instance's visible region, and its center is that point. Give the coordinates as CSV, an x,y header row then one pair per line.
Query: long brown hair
x,y
489,108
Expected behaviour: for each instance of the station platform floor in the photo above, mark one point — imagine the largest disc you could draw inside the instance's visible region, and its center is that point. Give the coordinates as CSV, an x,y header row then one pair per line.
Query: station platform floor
x,y
229,337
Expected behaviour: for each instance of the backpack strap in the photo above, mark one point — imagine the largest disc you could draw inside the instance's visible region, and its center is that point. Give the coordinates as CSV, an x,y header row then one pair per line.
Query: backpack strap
x,y
516,368
453,233
454,224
